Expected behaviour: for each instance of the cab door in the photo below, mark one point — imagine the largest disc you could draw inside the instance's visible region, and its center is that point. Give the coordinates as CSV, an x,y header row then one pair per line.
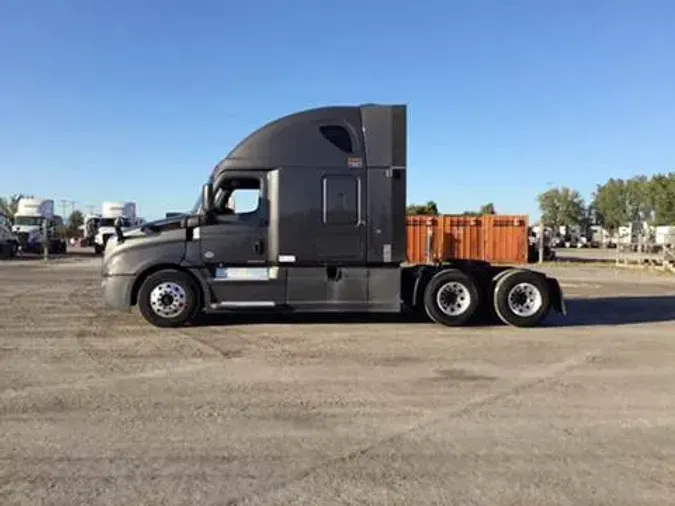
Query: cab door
x,y
234,248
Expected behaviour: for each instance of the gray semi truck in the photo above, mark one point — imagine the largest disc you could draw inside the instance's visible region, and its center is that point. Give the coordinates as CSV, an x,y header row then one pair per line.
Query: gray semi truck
x,y
326,232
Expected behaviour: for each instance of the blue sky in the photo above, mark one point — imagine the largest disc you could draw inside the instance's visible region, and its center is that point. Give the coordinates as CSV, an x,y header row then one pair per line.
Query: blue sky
x,y
138,99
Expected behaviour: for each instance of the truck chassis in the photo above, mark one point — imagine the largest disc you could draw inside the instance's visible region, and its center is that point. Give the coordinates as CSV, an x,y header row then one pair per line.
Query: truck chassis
x,y
450,294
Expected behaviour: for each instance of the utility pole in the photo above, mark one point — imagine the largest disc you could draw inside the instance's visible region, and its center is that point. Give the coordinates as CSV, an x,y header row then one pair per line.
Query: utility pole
x,y
63,209
541,238
541,232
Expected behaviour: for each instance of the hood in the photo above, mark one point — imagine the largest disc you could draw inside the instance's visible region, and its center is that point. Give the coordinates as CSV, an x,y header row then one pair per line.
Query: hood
x,y
144,245
172,223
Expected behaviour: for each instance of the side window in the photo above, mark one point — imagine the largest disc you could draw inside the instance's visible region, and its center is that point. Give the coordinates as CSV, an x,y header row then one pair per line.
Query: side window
x,y
338,136
238,196
341,200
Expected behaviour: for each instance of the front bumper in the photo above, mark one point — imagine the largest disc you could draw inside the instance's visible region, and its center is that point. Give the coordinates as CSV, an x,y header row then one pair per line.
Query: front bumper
x,y
117,291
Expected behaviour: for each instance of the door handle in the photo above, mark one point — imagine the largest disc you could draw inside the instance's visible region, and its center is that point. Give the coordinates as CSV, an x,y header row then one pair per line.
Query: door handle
x,y
258,247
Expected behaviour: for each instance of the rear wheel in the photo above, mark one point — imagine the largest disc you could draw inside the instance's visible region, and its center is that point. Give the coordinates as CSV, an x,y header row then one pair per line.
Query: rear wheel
x,y
450,298
521,298
168,298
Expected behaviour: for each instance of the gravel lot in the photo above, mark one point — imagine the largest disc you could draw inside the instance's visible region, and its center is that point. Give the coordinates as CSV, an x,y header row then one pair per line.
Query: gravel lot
x,y
98,407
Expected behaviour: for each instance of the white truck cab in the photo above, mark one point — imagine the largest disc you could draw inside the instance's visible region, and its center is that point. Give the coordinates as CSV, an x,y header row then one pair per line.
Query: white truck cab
x,y
28,222
89,228
110,212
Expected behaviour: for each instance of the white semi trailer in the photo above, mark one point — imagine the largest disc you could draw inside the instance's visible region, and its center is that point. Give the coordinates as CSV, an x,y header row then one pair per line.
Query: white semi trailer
x,y
110,212
28,226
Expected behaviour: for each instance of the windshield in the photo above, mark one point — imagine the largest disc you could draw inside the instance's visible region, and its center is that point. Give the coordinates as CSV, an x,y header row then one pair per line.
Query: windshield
x,y
28,220
198,204
110,222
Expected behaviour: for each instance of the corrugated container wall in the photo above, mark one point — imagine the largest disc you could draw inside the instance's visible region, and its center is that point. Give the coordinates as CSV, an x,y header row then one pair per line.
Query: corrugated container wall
x,y
492,238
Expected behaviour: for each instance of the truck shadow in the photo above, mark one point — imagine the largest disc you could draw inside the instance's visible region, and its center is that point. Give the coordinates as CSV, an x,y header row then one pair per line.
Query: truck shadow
x,y
624,310
255,318
583,260
580,312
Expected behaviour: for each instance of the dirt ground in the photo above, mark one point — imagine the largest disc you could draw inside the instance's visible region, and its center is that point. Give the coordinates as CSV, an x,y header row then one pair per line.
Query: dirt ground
x,y
98,407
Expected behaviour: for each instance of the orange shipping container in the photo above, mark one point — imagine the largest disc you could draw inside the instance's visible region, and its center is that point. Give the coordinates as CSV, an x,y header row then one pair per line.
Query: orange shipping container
x,y
492,238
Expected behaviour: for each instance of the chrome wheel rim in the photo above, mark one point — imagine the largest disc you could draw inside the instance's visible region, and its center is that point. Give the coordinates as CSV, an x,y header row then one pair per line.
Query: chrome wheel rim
x,y
524,299
453,298
168,300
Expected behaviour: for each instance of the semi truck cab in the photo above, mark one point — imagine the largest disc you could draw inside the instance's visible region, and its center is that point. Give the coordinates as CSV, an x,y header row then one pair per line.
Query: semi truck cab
x,y
111,212
28,226
325,232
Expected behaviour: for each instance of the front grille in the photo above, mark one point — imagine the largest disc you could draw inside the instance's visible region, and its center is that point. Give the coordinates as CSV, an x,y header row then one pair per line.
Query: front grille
x,y
23,238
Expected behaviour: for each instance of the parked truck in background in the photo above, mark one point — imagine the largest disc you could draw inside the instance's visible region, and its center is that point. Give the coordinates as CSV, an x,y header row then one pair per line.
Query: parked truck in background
x,y
328,234
89,229
110,212
28,226
9,243
664,236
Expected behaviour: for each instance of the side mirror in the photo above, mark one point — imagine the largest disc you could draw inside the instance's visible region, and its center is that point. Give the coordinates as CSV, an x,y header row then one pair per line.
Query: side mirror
x,y
118,230
207,199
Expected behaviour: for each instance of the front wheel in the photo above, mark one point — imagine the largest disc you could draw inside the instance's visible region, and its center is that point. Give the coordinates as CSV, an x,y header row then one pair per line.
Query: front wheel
x,y
521,298
168,298
451,298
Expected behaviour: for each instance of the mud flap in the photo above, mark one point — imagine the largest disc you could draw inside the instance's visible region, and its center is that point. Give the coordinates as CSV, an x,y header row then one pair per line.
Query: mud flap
x,y
557,296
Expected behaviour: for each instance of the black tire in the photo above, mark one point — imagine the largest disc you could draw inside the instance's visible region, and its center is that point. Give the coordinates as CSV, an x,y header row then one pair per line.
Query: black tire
x,y
459,287
179,289
97,249
500,275
531,300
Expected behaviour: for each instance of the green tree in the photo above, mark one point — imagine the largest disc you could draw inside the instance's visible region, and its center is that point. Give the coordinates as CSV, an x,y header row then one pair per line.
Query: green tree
x,y
75,221
620,202
662,198
562,207
609,201
9,206
488,208
484,209
430,208
639,202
